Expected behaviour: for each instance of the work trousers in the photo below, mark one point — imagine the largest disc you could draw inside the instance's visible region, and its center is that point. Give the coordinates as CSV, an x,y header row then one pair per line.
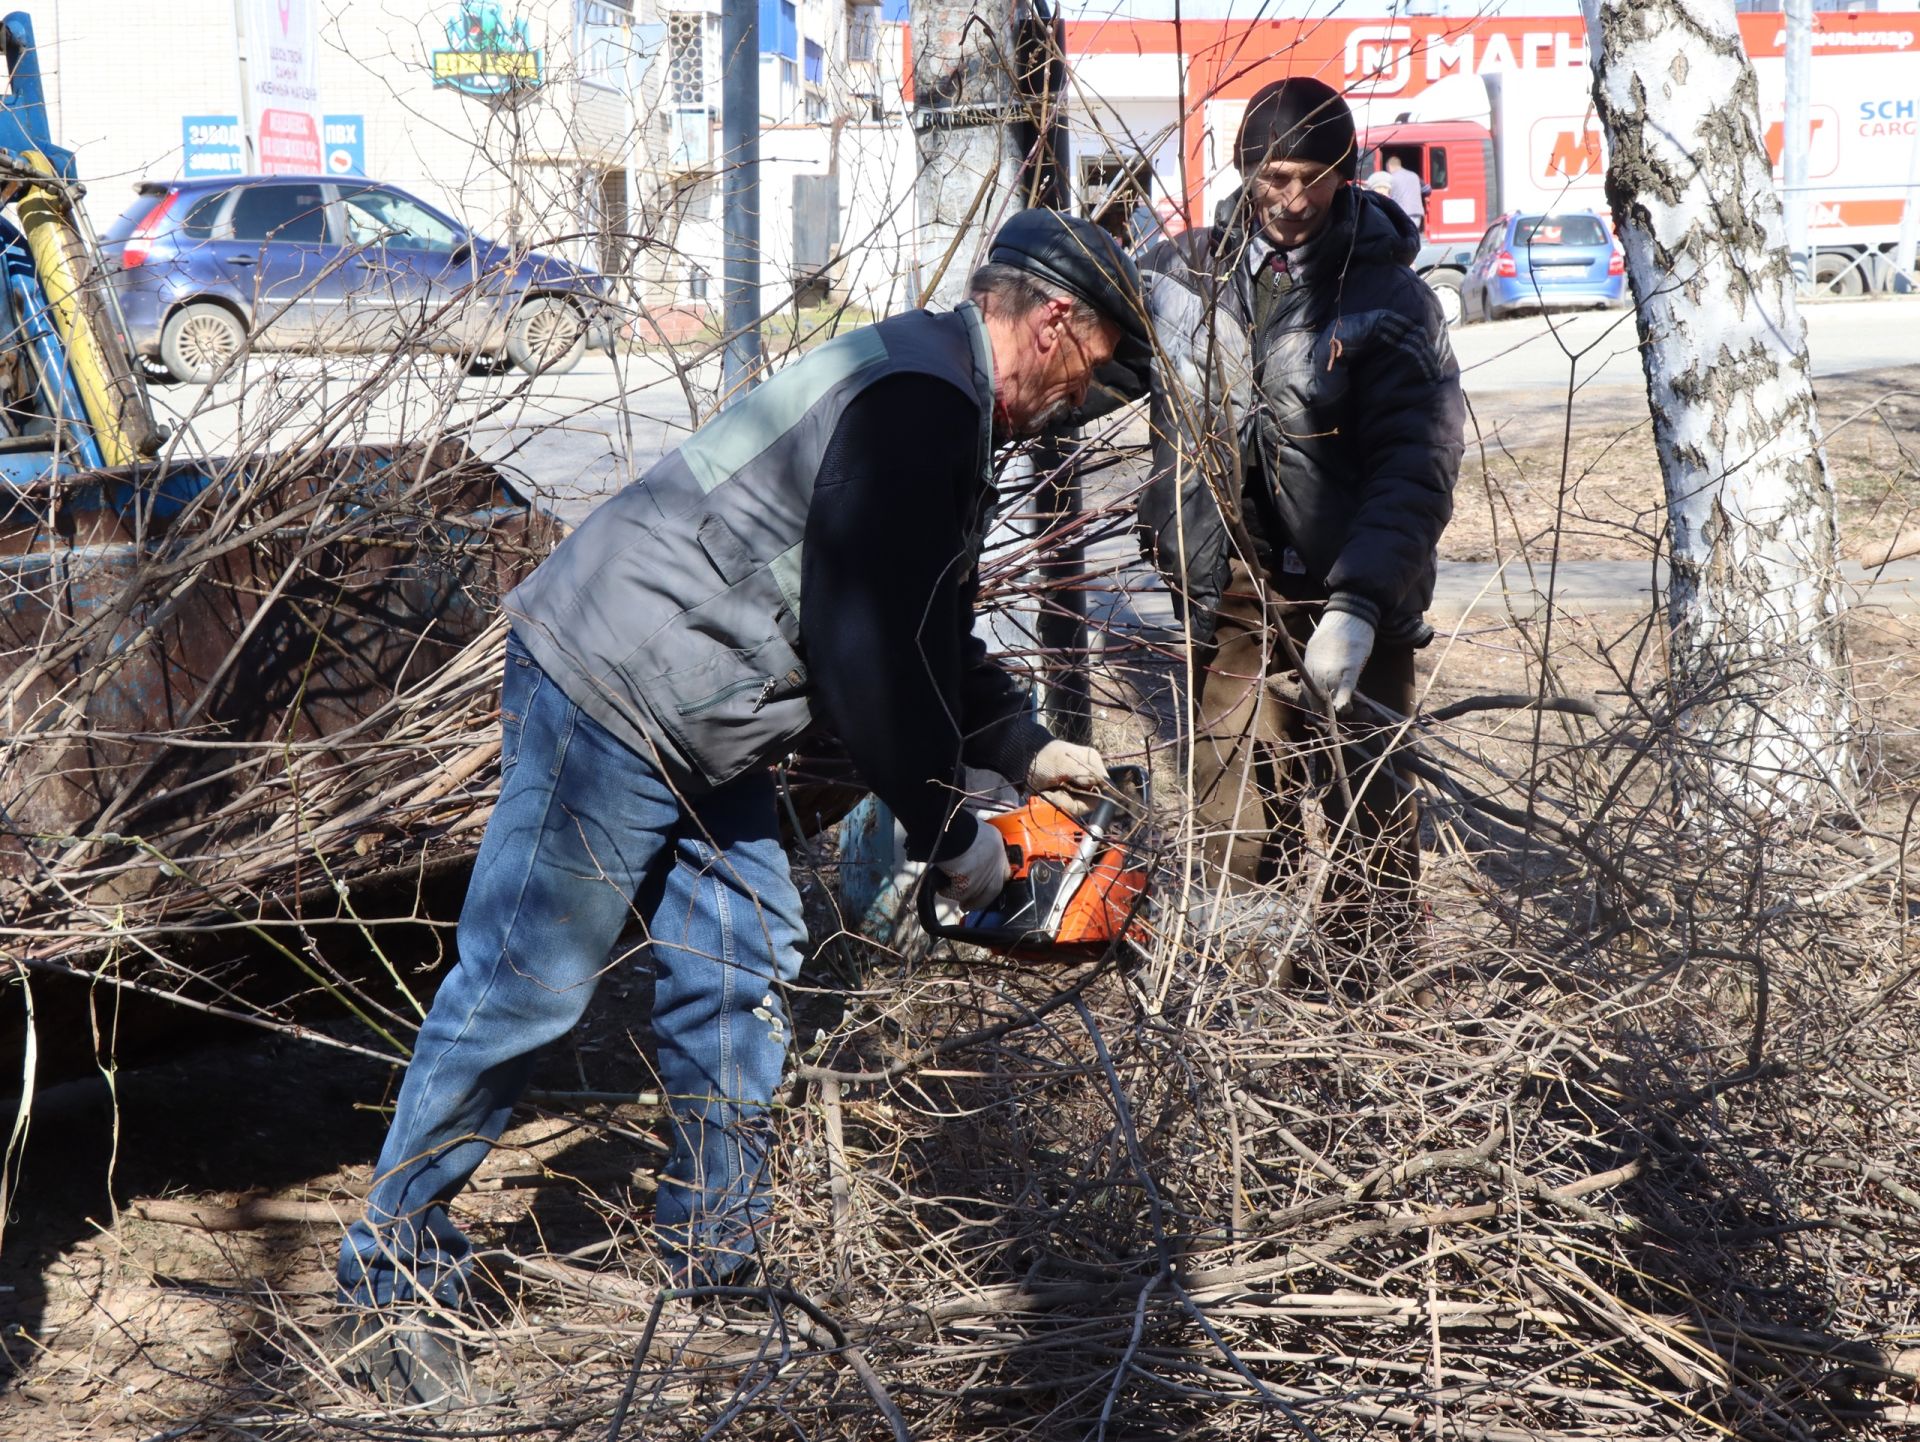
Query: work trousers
x,y
586,835
1257,758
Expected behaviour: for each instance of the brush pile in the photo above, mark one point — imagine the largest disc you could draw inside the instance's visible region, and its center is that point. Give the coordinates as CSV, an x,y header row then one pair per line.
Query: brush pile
x,y
1621,1147
224,706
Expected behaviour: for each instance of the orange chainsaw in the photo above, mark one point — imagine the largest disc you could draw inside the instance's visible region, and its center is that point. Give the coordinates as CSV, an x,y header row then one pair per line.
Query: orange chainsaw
x,y
1076,885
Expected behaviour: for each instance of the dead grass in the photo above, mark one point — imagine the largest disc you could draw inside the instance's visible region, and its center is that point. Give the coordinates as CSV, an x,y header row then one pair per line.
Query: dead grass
x,y
1511,497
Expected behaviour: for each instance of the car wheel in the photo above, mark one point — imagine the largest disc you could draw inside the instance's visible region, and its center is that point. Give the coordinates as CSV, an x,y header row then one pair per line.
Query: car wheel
x,y
547,337
1837,275
1487,312
1445,284
155,372
481,367
199,340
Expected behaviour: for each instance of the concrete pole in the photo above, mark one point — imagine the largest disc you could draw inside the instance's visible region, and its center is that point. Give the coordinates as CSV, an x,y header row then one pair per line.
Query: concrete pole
x,y
962,98
980,71
1903,257
1062,625
241,40
1795,135
740,196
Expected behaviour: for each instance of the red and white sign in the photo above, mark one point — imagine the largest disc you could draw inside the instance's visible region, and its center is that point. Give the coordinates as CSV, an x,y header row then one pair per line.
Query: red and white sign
x,y
1410,76
283,73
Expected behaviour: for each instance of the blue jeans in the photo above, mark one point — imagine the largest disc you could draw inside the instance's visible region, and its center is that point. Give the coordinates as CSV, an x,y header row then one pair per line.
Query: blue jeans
x,y
582,824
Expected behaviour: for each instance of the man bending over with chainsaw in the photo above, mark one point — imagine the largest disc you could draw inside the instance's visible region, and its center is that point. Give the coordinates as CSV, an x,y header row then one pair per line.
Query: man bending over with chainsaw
x,y
1307,435
808,555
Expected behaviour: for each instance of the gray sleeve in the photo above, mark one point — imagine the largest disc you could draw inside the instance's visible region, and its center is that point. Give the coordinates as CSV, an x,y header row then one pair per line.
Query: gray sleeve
x,y
1201,382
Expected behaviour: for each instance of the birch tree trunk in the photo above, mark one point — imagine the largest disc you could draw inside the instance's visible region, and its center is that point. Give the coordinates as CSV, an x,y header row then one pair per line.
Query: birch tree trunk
x,y
1757,655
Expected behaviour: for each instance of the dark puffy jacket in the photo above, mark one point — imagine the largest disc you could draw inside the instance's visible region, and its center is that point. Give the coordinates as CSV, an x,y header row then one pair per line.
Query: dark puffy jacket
x,y
1338,425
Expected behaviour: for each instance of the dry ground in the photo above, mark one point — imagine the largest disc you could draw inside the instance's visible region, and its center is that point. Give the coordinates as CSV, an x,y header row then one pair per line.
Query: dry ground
x,y
1510,490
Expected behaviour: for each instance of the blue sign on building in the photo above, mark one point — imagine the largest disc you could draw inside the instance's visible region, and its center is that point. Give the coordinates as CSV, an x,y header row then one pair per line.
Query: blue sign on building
x,y
344,144
211,145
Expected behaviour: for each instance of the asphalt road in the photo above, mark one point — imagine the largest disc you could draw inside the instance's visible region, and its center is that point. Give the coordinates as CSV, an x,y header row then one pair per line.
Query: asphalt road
x,y
571,440
1601,348
568,440
1521,374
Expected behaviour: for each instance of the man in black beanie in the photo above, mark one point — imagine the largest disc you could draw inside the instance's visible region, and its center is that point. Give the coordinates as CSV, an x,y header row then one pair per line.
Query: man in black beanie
x,y
1307,432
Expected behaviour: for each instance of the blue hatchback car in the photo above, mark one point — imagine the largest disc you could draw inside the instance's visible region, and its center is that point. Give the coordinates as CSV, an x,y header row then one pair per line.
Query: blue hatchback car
x,y
1542,262
204,267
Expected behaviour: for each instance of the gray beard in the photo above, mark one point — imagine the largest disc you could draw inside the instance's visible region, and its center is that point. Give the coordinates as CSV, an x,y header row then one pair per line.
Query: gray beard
x,y
1052,416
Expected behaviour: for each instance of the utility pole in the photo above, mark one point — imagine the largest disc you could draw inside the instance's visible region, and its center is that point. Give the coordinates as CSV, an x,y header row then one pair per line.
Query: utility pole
x,y
962,100
1795,135
740,196
986,118
241,41
1903,259
989,79
1041,83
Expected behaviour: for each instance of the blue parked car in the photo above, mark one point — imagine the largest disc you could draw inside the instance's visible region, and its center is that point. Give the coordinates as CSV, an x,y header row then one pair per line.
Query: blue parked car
x,y
329,264
1540,262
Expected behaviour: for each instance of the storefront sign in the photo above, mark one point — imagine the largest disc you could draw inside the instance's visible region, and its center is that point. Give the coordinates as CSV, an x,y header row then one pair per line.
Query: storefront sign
x,y
283,72
487,54
211,145
346,139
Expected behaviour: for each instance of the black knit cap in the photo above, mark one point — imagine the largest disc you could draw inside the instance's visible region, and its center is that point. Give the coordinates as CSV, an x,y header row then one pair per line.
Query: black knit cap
x,y
1298,118
1080,258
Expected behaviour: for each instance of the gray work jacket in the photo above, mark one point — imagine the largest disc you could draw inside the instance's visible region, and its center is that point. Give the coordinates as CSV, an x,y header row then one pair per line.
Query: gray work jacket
x,y
672,615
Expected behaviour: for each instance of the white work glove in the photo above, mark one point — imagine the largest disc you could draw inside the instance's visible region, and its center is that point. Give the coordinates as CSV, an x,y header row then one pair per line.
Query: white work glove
x,y
1063,768
1336,652
978,874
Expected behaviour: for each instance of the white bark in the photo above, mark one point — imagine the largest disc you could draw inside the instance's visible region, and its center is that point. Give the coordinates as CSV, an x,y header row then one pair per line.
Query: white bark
x,y
1757,654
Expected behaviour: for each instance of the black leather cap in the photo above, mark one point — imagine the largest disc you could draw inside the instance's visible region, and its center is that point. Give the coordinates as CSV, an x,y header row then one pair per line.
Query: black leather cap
x,y
1082,259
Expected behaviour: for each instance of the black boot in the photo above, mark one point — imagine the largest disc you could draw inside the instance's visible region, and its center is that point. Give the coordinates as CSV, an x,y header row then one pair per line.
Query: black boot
x,y
407,1357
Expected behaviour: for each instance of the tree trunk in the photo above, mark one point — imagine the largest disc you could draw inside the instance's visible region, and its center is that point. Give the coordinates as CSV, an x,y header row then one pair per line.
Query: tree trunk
x,y
1757,657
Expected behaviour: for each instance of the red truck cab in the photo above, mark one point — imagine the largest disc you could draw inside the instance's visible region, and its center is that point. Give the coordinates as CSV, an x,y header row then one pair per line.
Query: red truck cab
x,y
1454,159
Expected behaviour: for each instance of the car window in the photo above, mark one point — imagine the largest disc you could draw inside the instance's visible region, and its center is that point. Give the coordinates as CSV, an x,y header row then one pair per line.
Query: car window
x,y
124,224
295,213
1489,242
1437,168
376,217
1537,230
199,221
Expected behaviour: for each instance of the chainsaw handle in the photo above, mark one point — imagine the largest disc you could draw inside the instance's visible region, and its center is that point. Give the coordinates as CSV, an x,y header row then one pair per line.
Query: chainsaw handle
x,y
1118,780
929,918
928,896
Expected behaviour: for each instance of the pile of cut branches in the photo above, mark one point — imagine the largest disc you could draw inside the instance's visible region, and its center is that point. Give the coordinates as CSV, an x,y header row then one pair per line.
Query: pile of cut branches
x,y
1620,1146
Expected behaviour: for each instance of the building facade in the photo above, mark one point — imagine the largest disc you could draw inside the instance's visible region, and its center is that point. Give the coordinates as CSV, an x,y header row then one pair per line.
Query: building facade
x,y
584,127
